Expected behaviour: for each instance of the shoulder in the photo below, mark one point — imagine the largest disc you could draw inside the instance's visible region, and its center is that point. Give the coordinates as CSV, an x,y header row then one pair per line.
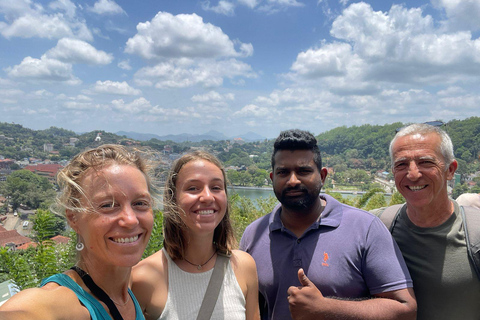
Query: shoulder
x,y
51,301
150,268
241,259
245,270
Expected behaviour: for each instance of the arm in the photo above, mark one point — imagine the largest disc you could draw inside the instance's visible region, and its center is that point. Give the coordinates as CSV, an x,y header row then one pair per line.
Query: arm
x,y
246,274
150,284
47,303
307,302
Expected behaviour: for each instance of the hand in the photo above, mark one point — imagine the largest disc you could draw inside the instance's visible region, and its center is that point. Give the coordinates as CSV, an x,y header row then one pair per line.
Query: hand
x,y
305,301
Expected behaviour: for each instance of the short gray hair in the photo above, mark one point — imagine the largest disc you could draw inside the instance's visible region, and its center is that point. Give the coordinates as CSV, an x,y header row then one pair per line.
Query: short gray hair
x,y
446,146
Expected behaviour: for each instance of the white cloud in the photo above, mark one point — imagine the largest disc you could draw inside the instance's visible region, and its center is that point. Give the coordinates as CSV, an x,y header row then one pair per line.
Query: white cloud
x,y
179,74
213,96
125,65
78,51
223,7
136,106
53,26
78,105
43,69
112,87
461,15
400,46
183,35
252,110
106,7
66,5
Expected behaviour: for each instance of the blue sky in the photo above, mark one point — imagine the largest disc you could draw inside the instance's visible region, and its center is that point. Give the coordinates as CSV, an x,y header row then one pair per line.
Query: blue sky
x,y
171,67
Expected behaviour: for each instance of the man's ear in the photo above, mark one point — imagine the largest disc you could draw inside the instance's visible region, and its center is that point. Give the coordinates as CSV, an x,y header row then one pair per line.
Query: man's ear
x,y
271,176
72,219
451,169
323,174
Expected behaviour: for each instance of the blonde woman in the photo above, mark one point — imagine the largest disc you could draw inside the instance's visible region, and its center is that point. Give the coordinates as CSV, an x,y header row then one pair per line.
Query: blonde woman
x,y
106,197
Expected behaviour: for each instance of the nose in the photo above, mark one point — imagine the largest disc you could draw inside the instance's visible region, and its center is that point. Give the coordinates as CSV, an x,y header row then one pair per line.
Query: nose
x,y
293,180
413,171
128,217
206,195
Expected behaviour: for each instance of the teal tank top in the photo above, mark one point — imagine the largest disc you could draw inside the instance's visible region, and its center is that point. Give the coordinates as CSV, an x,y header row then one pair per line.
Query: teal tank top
x,y
97,311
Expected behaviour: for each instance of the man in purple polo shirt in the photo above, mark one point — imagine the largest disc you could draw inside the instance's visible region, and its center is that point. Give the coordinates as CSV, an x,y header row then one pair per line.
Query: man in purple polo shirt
x,y
317,258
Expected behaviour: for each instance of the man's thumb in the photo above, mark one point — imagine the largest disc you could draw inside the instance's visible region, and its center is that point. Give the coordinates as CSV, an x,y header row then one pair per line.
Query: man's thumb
x,y
302,277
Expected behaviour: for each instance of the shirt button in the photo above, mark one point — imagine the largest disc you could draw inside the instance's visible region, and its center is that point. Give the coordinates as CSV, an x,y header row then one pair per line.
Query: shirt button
x,y
298,240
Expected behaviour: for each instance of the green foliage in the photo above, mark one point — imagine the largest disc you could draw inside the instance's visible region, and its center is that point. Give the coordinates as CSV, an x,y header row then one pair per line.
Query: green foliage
x,y
156,239
397,198
25,187
244,211
44,224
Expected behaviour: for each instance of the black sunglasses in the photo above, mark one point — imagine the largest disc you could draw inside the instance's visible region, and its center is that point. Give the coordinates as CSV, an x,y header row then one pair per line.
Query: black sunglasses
x,y
431,123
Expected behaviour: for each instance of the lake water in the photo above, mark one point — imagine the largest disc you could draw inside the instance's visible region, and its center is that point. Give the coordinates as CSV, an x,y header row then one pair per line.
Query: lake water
x,y
255,193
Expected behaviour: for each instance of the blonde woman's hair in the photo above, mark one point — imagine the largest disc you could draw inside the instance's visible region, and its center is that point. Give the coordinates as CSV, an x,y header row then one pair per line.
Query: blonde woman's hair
x,y
68,179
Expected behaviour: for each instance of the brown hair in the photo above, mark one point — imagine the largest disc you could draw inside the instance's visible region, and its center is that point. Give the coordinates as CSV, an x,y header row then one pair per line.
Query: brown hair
x,y
96,159
175,240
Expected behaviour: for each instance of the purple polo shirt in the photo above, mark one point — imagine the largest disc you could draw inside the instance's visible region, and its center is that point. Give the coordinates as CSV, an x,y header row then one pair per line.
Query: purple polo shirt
x,y
348,253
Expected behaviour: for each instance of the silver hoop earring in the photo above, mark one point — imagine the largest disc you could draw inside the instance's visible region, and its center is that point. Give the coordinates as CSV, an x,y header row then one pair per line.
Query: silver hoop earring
x,y
79,246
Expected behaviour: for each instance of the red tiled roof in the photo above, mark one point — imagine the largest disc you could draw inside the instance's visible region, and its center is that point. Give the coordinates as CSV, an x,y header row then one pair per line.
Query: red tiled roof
x,y
2,229
27,245
51,169
12,236
61,239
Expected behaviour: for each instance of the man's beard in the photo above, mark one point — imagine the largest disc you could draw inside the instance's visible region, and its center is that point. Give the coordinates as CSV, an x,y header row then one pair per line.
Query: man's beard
x,y
299,202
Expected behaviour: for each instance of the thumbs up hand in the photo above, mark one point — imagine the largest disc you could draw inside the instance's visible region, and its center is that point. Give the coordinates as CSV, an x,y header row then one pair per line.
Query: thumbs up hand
x,y
306,300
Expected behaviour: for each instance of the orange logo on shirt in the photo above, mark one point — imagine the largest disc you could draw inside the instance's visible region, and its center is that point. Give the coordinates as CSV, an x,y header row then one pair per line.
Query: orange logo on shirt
x,y
325,258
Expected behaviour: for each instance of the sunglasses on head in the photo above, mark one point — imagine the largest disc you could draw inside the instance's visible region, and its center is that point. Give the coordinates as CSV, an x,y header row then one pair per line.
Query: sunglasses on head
x,y
430,123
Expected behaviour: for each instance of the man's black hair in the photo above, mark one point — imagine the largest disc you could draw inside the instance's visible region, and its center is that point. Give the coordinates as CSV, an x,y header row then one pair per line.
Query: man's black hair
x,y
295,139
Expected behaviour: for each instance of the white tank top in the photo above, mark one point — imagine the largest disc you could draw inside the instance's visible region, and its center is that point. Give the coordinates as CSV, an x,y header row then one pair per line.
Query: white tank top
x,y
186,291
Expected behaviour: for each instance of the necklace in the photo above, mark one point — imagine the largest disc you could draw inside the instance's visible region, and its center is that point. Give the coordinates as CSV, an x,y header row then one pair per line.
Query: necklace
x,y
199,266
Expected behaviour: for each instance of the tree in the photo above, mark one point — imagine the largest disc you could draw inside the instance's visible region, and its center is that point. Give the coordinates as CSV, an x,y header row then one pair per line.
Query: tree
x,y
25,187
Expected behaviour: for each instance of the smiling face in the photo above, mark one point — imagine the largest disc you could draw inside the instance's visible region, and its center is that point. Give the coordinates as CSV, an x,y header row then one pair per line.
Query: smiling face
x,y
296,179
420,171
200,196
119,221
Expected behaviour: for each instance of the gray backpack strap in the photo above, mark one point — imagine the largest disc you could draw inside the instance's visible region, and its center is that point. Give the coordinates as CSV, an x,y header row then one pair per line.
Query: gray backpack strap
x,y
389,215
213,288
471,225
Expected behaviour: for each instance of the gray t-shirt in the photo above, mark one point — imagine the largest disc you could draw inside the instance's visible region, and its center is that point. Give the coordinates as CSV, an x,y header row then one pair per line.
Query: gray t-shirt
x,y
444,280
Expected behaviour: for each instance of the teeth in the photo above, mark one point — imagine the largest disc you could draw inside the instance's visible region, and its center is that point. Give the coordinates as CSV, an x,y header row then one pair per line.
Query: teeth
x,y
126,240
416,188
202,212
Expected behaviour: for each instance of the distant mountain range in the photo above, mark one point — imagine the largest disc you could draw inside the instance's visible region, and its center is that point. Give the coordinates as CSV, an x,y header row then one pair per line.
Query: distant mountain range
x,y
210,135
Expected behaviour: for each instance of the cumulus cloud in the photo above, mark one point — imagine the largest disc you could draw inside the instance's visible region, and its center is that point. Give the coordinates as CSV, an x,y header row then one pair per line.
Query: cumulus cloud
x,y
106,7
223,7
183,35
136,106
213,96
461,15
399,46
65,5
43,69
112,87
78,51
26,19
181,74
125,65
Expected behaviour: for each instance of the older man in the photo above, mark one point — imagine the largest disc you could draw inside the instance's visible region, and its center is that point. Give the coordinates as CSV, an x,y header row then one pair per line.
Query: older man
x,y
317,258
429,228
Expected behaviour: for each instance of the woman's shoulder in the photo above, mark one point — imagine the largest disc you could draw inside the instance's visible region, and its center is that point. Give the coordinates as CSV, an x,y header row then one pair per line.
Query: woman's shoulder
x,y
52,301
242,260
151,266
